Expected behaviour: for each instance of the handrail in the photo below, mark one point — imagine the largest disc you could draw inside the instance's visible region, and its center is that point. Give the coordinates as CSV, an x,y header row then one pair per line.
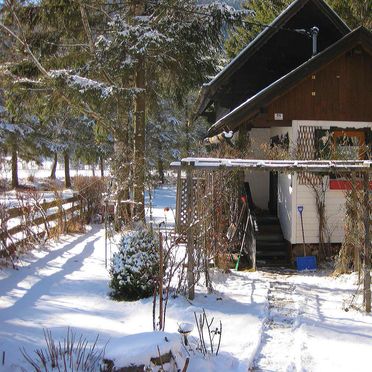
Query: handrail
x,y
250,237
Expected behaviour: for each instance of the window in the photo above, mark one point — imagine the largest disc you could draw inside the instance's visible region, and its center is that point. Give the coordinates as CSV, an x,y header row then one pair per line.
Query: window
x,y
342,144
349,144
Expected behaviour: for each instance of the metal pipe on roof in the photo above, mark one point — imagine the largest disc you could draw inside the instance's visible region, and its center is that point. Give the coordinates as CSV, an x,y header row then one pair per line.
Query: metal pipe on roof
x,y
314,34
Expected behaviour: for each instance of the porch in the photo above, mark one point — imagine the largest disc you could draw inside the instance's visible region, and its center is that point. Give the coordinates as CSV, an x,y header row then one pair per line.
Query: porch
x,y
256,234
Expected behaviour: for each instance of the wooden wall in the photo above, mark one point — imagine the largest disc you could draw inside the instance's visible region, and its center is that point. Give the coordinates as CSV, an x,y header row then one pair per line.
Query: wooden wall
x,y
340,91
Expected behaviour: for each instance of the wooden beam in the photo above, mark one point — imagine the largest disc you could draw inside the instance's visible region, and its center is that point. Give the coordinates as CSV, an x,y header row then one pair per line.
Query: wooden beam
x,y
190,235
367,246
283,166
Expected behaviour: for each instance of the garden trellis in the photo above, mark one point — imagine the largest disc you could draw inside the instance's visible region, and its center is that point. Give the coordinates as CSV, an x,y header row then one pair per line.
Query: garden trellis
x,y
317,167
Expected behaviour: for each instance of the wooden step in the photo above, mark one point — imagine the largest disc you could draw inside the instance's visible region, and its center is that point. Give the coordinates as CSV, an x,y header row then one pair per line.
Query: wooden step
x,y
268,229
269,237
272,245
261,263
271,254
267,220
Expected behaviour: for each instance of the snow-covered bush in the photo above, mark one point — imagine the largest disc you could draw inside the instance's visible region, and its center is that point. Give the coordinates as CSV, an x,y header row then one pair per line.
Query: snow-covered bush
x,y
135,266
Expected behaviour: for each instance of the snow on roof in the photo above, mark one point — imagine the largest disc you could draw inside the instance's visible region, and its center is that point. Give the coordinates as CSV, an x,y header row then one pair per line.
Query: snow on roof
x,y
344,166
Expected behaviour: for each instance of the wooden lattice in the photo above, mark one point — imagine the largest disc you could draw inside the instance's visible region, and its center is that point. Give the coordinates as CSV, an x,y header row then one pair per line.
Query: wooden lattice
x,y
181,207
306,151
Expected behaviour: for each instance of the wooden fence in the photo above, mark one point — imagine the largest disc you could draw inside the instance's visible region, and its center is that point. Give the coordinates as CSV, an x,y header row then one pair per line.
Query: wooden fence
x,y
31,223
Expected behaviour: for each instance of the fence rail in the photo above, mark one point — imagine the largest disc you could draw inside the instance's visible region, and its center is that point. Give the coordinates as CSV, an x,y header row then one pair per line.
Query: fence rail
x,y
34,222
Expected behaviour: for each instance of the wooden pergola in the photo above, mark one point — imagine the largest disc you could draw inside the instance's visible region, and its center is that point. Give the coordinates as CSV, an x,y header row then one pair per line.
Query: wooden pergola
x,y
321,167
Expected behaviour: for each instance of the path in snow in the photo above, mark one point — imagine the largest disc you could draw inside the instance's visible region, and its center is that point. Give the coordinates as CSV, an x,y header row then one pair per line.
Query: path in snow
x,y
307,329
278,328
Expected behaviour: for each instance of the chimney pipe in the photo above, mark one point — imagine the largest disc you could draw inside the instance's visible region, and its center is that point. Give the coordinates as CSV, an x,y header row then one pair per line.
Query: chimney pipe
x,y
314,34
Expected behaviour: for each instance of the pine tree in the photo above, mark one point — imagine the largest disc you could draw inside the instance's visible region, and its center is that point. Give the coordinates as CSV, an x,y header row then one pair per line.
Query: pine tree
x,y
115,63
354,12
263,13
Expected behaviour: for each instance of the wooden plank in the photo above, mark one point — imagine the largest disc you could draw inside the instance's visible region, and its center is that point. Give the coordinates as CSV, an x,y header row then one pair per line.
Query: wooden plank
x,y
190,235
13,247
367,247
39,221
19,211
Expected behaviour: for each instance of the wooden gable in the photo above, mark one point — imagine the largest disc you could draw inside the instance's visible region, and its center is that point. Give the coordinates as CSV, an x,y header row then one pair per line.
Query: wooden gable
x,y
333,85
277,50
340,91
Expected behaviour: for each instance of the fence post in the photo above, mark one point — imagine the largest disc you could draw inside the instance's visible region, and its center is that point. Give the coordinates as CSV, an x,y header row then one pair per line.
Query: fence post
x,y
190,235
367,246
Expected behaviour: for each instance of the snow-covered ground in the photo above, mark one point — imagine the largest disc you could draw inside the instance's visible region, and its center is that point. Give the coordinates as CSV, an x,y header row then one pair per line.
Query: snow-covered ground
x,y
27,169
272,321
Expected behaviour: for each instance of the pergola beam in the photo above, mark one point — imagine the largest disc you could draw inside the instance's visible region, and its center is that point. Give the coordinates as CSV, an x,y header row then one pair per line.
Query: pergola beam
x,y
289,166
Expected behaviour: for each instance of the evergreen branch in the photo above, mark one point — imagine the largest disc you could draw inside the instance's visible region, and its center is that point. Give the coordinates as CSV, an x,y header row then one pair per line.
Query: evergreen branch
x,y
22,39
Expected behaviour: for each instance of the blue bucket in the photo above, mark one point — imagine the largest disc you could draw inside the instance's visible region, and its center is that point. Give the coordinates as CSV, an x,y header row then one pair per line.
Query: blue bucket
x,y
306,263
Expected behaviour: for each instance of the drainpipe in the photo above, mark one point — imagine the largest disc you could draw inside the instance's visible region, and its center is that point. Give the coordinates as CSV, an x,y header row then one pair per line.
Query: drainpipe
x,y
314,34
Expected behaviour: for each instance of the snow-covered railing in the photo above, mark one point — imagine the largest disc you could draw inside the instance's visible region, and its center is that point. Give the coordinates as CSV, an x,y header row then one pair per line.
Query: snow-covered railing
x,y
22,225
316,166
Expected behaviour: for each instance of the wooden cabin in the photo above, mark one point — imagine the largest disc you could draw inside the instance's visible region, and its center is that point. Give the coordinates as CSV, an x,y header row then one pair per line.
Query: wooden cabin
x,y
276,91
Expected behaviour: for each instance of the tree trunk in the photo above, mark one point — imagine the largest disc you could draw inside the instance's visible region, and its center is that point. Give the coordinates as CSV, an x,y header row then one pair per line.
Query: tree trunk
x,y
139,143
121,164
15,182
93,170
54,167
67,170
187,139
102,166
160,164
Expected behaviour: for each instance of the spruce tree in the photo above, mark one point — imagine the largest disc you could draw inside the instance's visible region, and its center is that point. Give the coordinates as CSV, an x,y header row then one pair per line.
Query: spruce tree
x,y
114,63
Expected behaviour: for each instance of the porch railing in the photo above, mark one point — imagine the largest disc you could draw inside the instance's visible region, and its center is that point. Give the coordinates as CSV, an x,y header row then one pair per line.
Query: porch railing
x,y
249,237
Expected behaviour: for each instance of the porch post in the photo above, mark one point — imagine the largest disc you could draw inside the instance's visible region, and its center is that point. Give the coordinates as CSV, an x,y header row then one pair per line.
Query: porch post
x,y
190,235
367,246
178,202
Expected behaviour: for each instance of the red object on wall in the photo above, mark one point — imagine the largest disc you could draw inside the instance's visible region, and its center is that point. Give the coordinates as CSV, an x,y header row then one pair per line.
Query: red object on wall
x,y
345,185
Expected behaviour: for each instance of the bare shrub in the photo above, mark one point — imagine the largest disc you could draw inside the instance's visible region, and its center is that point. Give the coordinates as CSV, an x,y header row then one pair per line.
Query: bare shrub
x,y
209,334
171,277
31,178
73,354
91,189
349,256
75,226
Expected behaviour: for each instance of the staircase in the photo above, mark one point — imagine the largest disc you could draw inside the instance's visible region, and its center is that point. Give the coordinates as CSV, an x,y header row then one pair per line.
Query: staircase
x,y
271,248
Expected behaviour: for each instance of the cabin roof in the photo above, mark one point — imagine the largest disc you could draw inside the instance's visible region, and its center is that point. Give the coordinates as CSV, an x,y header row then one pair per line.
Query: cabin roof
x,y
284,19
231,121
